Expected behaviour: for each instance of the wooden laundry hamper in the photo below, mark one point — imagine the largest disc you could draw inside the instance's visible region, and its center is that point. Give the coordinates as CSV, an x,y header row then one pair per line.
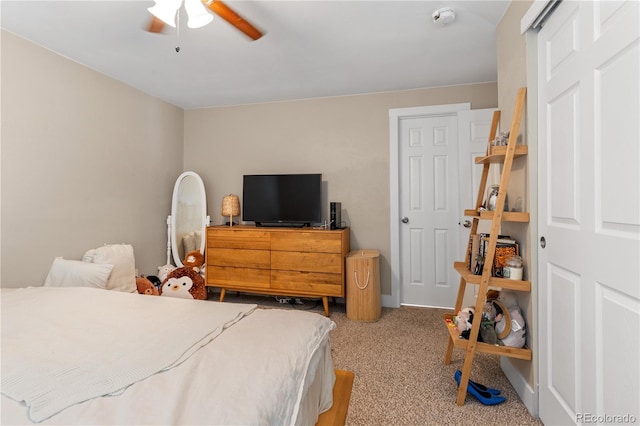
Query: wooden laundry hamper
x,y
363,285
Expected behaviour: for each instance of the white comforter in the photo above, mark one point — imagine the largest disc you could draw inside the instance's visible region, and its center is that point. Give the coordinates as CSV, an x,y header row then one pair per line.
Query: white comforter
x,y
64,346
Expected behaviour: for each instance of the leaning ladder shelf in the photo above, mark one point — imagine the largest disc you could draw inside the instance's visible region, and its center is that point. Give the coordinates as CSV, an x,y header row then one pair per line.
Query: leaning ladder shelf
x,y
500,155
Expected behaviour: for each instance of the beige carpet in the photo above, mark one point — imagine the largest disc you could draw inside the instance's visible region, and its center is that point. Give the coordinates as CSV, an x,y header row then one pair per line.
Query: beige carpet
x,y
400,377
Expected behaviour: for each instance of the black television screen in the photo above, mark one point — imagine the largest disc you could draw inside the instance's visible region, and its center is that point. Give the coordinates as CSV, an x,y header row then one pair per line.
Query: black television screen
x,y
282,200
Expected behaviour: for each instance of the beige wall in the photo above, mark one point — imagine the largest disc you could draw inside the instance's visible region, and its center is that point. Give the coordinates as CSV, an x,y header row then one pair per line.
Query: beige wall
x,y
344,138
511,53
85,161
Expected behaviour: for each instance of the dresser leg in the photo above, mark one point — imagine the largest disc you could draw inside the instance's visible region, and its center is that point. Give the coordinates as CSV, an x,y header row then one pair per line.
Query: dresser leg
x,y
222,294
325,303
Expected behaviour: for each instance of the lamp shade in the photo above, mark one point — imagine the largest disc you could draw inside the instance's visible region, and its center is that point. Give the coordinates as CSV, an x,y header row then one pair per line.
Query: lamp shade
x,y
165,10
230,207
198,15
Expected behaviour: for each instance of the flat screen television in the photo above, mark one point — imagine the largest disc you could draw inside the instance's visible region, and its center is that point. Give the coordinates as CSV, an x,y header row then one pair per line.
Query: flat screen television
x,y
282,200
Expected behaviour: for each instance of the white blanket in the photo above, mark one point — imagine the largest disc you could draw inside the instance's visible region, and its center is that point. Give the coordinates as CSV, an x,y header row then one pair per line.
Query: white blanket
x,y
93,356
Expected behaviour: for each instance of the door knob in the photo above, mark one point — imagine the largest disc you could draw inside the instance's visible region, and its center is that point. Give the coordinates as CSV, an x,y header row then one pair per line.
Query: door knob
x,y
467,224
543,242
405,220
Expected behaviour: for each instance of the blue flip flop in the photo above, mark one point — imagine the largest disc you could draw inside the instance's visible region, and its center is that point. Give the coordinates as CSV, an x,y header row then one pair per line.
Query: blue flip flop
x,y
478,386
485,398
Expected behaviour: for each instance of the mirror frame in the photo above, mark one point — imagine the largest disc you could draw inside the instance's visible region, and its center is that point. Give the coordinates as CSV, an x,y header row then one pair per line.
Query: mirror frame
x,y
174,206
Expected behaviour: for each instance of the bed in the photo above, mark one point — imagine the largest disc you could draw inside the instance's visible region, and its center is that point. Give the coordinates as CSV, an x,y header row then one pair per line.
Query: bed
x,y
91,356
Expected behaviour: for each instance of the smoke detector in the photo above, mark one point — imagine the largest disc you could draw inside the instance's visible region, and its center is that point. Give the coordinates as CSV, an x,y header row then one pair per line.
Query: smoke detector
x,y
443,16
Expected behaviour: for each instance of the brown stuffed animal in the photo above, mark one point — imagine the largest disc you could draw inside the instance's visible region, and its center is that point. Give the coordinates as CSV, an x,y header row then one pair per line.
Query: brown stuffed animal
x,y
185,283
146,287
194,259
493,294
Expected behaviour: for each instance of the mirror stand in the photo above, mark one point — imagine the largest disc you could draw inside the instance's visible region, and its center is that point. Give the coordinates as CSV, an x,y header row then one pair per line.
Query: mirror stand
x,y
187,223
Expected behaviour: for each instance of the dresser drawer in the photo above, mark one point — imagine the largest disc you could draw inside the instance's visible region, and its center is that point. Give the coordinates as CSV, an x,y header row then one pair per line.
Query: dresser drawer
x,y
310,283
239,258
318,242
230,277
307,262
285,261
237,239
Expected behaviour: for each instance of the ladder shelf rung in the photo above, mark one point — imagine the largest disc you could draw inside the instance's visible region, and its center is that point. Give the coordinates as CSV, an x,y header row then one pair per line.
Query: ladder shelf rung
x,y
506,216
498,153
518,285
460,343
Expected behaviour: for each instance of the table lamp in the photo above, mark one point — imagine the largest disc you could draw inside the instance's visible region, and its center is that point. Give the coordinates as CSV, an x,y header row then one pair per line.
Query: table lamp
x,y
230,207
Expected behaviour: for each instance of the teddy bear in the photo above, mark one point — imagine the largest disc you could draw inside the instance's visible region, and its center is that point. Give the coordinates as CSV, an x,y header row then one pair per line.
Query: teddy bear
x,y
493,294
464,319
492,309
164,270
145,286
184,283
157,282
516,336
194,259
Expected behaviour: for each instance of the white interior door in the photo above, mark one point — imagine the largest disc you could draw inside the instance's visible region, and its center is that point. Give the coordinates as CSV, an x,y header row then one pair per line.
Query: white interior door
x,y
589,213
429,208
423,259
473,134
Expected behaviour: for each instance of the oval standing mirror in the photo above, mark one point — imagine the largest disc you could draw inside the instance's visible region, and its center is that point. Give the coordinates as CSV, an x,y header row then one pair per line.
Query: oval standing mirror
x,y
188,216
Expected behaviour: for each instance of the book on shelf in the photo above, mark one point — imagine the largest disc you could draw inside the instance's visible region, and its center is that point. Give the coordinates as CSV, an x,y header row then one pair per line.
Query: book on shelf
x,y
469,259
503,251
505,247
484,242
475,250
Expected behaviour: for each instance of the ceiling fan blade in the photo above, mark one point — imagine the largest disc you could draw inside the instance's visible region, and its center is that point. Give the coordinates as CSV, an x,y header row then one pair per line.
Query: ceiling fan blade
x,y
226,13
155,25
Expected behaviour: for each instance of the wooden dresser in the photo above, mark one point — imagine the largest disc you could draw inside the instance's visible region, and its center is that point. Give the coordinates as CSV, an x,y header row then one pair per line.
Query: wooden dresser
x,y
301,262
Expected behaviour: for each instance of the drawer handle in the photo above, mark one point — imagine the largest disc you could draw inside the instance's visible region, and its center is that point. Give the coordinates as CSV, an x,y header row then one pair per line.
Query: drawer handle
x,y
355,275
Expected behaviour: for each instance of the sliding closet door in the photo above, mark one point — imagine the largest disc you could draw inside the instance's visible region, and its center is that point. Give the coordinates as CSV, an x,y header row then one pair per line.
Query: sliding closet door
x,y
589,210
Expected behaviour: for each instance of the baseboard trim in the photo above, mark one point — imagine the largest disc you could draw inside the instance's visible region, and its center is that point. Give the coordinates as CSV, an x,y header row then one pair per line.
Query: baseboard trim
x,y
527,394
389,301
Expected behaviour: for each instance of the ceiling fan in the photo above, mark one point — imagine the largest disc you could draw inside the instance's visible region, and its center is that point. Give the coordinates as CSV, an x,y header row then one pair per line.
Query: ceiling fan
x,y
164,13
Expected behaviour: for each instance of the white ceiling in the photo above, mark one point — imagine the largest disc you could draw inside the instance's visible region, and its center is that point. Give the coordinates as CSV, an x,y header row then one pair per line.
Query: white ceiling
x,y
310,48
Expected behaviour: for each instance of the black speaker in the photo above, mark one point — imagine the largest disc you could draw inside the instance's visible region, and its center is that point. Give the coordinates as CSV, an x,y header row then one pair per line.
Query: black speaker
x,y
335,215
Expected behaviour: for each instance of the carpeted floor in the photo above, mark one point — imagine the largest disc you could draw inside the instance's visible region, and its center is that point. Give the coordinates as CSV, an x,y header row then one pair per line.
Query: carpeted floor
x,y
400,377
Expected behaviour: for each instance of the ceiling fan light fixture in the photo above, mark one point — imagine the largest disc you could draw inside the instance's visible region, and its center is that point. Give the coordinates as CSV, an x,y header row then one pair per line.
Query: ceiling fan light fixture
x,y
166,10
198,15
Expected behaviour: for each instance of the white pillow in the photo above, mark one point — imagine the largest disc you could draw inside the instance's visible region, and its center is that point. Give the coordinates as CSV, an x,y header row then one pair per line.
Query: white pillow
x,y
123,276
197,237
189,242
75,273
